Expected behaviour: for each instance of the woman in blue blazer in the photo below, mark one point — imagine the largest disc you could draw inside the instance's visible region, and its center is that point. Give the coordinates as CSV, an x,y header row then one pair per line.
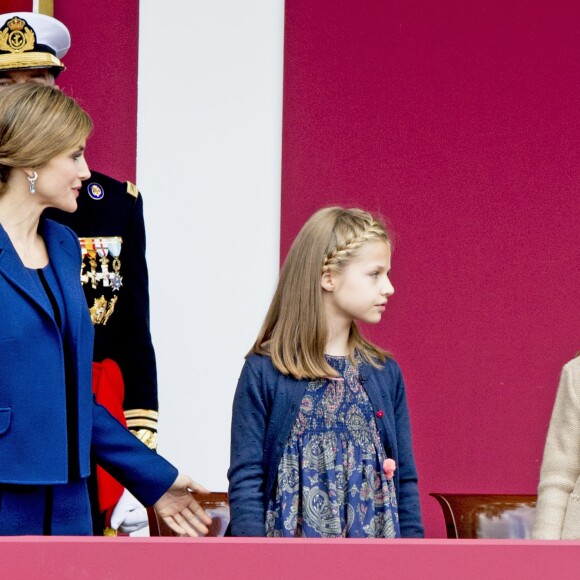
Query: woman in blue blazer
x,y
49,423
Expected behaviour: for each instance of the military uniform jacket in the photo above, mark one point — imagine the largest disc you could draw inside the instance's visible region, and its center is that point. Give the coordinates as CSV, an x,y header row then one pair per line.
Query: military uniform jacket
x,y
34,444
115,281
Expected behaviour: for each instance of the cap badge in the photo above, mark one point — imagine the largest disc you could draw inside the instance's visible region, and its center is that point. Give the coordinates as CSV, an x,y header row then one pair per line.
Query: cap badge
x,y
16,37
96,191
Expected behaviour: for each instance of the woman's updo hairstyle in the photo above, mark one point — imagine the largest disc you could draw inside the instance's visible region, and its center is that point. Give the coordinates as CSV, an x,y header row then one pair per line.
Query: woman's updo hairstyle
x,y
37,123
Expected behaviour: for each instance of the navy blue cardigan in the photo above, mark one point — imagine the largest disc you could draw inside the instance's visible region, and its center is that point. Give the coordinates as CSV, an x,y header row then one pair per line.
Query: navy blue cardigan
x,y
265,407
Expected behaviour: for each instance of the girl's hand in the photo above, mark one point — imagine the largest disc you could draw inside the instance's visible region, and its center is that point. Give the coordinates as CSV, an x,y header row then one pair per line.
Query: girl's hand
x,y
389,467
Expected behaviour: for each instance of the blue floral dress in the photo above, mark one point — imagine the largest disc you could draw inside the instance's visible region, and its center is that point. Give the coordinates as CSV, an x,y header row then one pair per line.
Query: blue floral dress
x,y
330,478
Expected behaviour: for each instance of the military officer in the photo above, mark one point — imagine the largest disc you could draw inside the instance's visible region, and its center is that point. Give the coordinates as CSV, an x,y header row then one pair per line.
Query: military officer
x,y
110,226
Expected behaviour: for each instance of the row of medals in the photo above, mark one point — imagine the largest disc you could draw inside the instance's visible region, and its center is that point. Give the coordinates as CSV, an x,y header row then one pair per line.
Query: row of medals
x,y
103,252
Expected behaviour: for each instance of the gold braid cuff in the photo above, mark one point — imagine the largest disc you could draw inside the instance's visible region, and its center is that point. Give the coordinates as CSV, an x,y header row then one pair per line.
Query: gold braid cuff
x,y
145,413
143,424
147,437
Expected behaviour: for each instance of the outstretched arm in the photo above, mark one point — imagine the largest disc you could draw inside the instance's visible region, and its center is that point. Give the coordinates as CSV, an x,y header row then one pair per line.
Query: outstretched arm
x,y
180,511
152,479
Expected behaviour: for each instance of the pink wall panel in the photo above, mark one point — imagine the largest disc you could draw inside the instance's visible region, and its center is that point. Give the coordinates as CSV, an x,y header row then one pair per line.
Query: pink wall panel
x,y
460,122
102,75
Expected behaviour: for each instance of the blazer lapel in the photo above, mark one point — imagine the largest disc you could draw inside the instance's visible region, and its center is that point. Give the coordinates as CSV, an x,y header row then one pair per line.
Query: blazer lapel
x,y
13,269
64,254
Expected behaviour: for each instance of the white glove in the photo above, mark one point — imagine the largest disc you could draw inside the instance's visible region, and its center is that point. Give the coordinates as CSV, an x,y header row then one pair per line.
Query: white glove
x,y
129,514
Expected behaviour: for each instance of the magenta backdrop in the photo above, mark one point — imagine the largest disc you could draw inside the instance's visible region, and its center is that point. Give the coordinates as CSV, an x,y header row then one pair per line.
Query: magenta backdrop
x,y
460,122
102,75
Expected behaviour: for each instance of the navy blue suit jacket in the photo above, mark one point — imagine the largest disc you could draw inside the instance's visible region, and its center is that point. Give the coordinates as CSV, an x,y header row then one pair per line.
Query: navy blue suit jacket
x,y
266,405
33,427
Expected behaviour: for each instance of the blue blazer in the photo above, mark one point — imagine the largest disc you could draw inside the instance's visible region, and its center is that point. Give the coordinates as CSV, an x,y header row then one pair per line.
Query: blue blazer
x,y
33,427
266,405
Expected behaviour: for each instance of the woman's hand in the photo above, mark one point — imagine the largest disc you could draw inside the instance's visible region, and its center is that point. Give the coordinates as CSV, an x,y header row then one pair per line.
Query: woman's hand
x,y
180,511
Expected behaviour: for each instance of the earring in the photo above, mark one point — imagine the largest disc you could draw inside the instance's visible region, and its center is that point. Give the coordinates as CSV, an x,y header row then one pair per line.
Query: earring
x,y
32,182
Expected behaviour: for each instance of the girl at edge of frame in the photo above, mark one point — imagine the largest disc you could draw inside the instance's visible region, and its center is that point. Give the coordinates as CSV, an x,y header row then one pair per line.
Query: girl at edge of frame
x,y
321,438
557,515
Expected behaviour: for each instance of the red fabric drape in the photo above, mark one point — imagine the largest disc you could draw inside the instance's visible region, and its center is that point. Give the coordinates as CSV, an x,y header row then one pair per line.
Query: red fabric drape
x,y
109,391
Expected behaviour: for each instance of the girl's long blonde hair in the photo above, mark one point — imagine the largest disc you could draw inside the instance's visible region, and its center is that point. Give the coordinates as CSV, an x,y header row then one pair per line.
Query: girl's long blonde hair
x,y
295,332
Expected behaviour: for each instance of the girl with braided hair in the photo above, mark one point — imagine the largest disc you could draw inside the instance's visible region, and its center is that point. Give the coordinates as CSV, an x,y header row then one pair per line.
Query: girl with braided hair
x,y
321,439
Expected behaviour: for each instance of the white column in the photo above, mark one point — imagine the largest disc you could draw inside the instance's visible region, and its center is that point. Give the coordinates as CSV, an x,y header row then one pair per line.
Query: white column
x,y
209,149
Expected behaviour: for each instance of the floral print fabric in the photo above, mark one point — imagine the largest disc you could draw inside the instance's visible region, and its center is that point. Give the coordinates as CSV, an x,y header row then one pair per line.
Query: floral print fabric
x,y
330,478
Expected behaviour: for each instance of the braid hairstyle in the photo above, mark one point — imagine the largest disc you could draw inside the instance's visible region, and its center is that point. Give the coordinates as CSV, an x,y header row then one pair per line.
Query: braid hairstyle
x,y
295,332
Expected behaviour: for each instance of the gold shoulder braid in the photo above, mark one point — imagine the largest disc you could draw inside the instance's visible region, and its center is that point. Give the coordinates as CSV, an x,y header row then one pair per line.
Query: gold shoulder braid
x,y
132,189
98,255
143,424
